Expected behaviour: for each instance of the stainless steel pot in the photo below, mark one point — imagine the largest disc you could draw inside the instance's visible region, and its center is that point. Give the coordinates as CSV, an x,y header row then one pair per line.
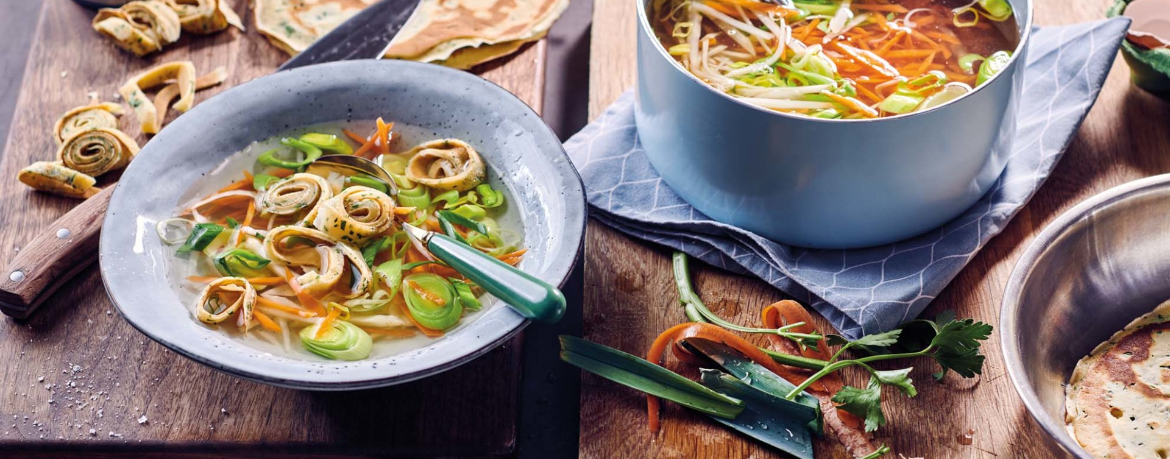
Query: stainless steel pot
x,y
1088,274
823,183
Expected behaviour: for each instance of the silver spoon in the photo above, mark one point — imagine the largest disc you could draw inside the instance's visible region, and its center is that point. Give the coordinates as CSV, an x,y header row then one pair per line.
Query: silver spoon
x,y
348,164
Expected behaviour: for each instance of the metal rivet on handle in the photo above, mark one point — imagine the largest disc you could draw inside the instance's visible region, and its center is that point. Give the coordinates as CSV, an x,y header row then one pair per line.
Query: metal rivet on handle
x,y
63,233
16,276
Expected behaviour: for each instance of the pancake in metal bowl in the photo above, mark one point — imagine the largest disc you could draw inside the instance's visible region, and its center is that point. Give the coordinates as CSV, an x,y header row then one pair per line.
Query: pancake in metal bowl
x,y
1118,403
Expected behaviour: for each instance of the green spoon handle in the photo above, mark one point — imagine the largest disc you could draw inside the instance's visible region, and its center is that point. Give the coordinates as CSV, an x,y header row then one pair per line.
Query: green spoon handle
x,y
529,296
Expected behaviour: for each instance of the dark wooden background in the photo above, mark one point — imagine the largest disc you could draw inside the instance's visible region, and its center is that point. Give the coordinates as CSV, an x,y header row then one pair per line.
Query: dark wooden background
x,y
1124,138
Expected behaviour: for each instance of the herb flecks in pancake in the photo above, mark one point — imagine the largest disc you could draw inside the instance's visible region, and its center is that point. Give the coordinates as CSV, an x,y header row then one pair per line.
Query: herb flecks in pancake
x,y
1118,402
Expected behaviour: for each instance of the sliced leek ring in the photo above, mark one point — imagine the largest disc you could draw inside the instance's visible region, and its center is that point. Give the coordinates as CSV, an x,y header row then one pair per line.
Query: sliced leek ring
x,y
223,297
162,100
57,179
344,341
141,27
447,164
86,117
294,194
355,215
204,17
183,72
97,151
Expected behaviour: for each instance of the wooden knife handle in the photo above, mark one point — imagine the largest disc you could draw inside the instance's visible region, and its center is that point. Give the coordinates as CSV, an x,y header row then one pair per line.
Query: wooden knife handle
x,y
61,251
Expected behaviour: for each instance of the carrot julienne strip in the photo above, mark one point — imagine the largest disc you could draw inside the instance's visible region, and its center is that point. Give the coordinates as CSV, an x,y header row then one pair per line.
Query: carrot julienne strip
x,y
284,308
265,321
327,323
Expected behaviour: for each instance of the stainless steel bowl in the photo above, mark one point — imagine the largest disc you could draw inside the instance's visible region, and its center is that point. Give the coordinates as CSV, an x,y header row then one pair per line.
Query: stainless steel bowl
x,y
1088,274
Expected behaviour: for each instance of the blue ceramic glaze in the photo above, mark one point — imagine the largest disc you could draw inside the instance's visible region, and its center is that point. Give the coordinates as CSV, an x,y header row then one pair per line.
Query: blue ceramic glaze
x,y
823,183
546,193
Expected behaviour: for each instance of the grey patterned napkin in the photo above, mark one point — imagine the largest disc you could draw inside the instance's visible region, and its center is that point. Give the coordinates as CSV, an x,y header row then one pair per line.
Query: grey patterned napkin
x,y
865,290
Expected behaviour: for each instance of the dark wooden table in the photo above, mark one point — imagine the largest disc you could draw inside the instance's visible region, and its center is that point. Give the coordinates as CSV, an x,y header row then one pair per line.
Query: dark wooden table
x,y
77,379
1124,138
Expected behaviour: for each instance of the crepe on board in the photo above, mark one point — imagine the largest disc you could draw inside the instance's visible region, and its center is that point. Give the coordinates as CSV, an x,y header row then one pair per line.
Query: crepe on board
x,y
456,33
1118,403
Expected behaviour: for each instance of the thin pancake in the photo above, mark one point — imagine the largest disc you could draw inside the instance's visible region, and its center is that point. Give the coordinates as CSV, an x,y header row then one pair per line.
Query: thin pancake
x,y
1118,402
459,33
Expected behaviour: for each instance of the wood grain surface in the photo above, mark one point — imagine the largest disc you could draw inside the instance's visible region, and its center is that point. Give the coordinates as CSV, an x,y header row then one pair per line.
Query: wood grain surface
x,y
76,378
1124,138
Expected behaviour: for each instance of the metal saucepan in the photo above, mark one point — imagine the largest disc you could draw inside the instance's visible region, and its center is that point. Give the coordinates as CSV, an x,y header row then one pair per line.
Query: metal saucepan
x,y
1086,276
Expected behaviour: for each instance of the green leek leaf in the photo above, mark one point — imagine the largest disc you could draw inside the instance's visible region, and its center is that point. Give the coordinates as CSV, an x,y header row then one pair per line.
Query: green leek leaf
x,y
639,374
456,218
240,263
489,197
778,426
465,296
328,142
769,384
261,181
368,182
201,235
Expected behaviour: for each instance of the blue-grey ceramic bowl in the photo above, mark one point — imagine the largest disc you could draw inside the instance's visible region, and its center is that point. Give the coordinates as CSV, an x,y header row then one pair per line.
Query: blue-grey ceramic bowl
x,y
547,196
823,183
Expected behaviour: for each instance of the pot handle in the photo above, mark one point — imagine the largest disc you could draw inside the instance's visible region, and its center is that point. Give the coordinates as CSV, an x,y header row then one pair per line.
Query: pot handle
x,y
65,248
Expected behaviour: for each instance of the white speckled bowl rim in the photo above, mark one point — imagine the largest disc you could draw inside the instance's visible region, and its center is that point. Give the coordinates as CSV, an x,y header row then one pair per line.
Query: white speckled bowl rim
x,y
520,148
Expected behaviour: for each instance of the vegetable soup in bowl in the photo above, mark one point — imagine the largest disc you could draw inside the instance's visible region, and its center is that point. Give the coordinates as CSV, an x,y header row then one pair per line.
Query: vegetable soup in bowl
x,y
232,241
830,123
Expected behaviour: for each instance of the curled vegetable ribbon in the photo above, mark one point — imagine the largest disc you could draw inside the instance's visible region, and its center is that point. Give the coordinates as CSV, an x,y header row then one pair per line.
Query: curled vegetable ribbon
x,y
57,179
183,72
296,193
341,341
97,151
447,164
355,215
86,117
222,297
323,260
140,27
205,16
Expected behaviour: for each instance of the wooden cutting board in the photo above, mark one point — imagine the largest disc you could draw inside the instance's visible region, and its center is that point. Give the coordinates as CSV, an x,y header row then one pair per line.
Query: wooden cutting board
x,y
77,377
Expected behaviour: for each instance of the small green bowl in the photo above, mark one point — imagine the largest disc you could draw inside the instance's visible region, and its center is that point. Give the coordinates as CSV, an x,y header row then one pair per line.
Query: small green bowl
x,y
1150,67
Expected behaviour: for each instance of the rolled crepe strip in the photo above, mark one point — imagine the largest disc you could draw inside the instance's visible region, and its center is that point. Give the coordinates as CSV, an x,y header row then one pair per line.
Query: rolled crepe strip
x,y
97,151
183,72
293,245
141,27
294,194
87,117
55,178
205,16
223,297
125,34
321,258
355,215
448,164
162,100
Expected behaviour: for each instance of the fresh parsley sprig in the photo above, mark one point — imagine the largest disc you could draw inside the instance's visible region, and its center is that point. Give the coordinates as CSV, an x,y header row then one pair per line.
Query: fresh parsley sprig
x,y
954,345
